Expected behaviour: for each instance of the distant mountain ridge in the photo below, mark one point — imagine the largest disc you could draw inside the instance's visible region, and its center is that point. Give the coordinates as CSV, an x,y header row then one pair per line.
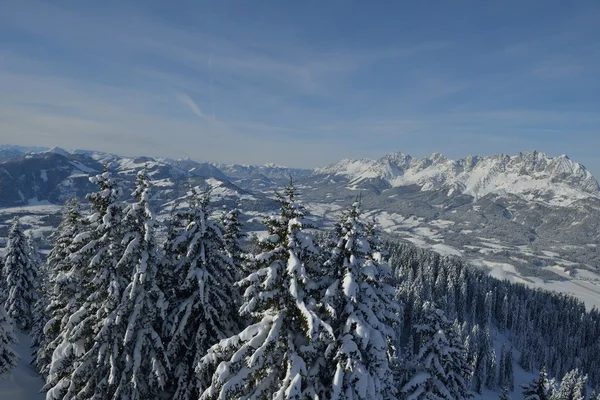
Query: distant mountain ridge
x,y
529,175
527,214
532,175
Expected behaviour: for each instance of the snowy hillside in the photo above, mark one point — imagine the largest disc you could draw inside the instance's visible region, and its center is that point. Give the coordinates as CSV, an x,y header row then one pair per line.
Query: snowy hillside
x,y
557,180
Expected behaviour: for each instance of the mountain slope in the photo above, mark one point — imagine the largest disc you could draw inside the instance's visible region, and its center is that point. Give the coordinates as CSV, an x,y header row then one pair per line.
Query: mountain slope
x,y
532,176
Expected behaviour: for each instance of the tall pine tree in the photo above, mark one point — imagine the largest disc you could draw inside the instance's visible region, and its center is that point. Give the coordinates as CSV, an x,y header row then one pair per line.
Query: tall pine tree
x,y
272,357
140,368
64,284
363,312
203,311
20,274
8,356
440,366
84,362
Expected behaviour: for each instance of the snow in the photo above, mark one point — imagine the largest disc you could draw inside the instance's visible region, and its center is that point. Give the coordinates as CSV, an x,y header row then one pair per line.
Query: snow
x,y
585,287
446,250
82,167
527,175
44,175
25,382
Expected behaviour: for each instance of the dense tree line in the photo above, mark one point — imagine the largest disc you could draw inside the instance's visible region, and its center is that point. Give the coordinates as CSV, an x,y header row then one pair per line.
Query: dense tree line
x,y
116,313
548,330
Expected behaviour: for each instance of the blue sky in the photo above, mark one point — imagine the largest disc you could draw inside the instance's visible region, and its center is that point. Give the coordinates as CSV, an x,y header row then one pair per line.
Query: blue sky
x,y
302,83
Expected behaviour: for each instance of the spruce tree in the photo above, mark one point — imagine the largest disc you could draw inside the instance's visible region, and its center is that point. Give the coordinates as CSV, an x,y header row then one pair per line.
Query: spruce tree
x,y
502,381
64,286
8,356
492,374
232,235
139,370
84,362
360,299
509,374
441,369
272,357
39,312
505,395
203,311
539,389
20,276
572,387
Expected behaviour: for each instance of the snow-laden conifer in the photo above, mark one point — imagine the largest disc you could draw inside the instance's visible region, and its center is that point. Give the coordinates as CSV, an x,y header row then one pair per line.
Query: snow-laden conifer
x,y
20,275
540,388
85,360
204,309
232,235
572,387
441,369
39,313
363,313
64,291
505,394
272,357
132,354
8,355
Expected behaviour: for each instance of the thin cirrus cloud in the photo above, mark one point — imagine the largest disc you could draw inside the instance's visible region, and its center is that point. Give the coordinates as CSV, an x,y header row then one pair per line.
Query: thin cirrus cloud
x,y
284,83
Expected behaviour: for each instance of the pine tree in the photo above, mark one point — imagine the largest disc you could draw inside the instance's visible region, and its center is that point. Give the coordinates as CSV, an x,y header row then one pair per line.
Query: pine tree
x,y
572,387
485,360
20,276
8,356
539,389
509,374
360,299
203,310
272,357
502,381
142,364
63,284
39,314
83,364
441,368
492,376
232,235
505,395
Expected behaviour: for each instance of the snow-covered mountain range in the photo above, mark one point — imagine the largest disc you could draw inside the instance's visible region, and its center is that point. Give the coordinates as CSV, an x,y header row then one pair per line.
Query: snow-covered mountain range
x,y
534,175
528,217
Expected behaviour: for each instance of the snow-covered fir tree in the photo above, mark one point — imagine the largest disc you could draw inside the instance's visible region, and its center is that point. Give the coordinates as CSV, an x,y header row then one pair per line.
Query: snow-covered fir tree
x,y
204,308
363,312
540,388
485,366
20,275
63,284
572,387
440,369
505,394
232,235
272,357
84,362
39,313
8,355
139,369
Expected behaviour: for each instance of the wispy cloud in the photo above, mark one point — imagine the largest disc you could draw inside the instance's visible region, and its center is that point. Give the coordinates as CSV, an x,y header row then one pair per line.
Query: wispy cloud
x,y
187,100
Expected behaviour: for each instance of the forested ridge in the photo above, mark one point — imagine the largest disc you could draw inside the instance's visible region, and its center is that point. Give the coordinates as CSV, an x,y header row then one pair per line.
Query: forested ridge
x,y
117,313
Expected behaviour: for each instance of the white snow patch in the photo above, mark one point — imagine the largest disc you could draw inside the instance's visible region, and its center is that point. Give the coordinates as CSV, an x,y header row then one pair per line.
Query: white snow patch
x,y
25,383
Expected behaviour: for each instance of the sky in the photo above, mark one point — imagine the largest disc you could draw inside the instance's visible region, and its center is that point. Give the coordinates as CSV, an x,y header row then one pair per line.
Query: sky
x,y
302,83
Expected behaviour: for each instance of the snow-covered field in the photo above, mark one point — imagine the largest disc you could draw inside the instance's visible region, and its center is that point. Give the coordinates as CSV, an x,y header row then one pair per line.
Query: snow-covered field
x,y
24,383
